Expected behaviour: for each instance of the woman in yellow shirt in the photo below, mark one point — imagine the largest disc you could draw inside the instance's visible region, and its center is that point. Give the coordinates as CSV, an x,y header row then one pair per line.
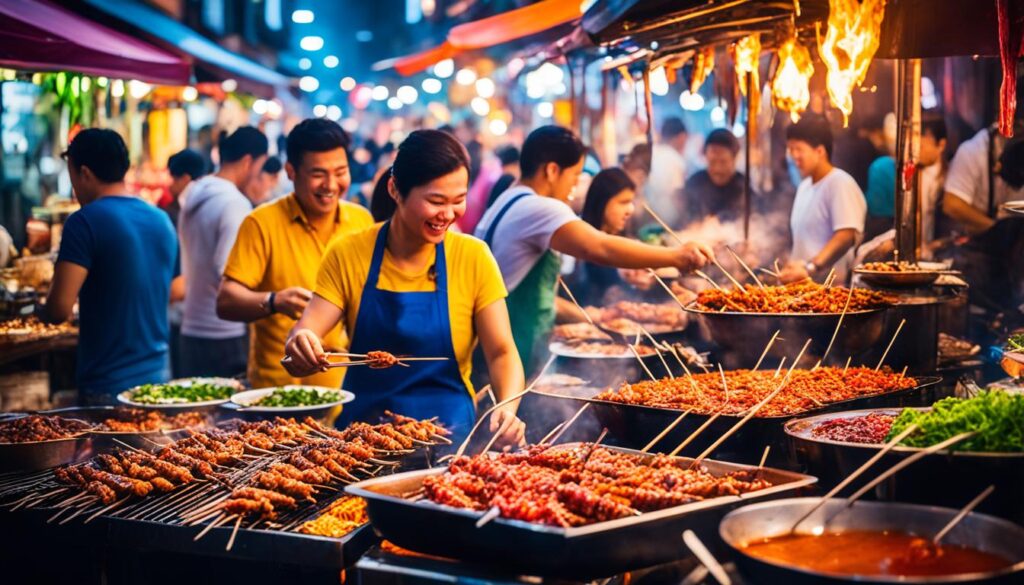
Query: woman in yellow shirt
x,y
410,287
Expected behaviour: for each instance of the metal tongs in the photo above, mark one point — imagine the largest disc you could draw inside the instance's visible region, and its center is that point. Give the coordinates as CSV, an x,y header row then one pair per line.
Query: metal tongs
x,y
363,361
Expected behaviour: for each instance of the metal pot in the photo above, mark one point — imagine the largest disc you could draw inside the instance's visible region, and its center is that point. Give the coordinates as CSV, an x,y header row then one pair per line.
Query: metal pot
x,y
743,336
764,520
964,474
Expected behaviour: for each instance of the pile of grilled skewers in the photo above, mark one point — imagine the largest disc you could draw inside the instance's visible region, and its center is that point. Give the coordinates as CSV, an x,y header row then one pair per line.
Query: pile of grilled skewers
x,y
736,391
137,420
40,427
629,318
259,471
575,485
799,297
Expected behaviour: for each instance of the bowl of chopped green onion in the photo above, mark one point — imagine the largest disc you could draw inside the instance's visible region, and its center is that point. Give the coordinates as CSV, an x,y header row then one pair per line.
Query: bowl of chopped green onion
x,y
182,394
294,400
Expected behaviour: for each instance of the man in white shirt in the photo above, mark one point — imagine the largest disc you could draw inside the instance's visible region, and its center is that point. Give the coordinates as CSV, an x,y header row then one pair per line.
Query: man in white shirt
x,y
976,185
829,208
532,221
664,188
207,228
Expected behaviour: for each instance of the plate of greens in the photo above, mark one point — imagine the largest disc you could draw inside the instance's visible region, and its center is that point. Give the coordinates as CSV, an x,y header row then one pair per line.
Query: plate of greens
x,y
291,399
185,393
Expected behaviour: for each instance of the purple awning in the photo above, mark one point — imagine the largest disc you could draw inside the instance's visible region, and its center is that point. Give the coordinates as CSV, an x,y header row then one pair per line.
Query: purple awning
x,y
41,36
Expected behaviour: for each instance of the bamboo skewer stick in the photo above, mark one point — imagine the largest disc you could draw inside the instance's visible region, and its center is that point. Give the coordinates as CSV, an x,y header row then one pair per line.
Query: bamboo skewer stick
x,y
686,370
827,283
672,233
667,430
725,385
754,410
465,443
766,348
891,341
701,274
667,288
700,551
491,514
836,332
963,513
551,433
234,533
657,350
779,369
695,434
847,366
568,423
745,266
857,473
640,359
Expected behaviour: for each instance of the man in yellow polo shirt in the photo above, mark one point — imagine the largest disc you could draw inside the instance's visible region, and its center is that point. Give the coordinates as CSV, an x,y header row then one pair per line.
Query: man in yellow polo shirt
x,y
273,265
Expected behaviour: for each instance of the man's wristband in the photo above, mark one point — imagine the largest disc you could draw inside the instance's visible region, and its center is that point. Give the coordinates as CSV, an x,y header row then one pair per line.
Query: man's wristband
x,y
270,302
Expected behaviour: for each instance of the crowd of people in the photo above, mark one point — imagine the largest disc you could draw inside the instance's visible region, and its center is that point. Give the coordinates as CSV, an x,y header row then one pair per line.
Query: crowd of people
x,y
228,280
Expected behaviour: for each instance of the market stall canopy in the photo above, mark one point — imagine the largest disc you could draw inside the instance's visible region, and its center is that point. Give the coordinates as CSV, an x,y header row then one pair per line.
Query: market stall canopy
x,y
181,38
499,29
416,62
38,35
514,24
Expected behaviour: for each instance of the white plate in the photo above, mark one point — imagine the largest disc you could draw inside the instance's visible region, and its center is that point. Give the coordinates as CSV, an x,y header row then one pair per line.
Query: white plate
x,y
125,397
244,399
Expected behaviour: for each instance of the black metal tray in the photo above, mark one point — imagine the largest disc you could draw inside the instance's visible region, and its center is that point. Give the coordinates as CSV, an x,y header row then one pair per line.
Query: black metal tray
x,y
962,474
634,426
586,552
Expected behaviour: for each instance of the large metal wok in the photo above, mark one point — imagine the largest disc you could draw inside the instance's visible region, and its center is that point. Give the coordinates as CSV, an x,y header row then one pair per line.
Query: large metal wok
x,y
962,474
634,426
763,520
593,551
743,336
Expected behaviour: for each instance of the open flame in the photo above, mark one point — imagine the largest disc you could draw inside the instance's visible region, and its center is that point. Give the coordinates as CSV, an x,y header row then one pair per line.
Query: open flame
x,y
850,42
746,53
791,91
703,65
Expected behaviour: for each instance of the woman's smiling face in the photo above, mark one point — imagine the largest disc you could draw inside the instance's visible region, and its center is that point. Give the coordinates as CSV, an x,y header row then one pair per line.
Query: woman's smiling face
x,y
430,209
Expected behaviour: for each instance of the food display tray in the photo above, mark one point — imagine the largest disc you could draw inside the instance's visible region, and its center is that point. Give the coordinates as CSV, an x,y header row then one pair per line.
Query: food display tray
x,y
586,552
634,426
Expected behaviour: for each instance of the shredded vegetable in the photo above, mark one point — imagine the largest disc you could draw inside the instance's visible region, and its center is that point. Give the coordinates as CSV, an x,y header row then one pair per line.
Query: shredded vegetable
x,y
997,417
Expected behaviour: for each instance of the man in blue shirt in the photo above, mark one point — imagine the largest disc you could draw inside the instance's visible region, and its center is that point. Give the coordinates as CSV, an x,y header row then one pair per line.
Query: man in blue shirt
x,y
117,258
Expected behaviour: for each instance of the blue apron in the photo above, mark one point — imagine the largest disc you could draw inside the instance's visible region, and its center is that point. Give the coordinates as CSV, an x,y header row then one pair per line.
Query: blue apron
x,y
407,324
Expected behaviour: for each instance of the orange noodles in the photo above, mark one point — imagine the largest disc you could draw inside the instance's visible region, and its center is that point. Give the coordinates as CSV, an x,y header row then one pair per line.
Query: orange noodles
x,y
797,297
854,28
791,87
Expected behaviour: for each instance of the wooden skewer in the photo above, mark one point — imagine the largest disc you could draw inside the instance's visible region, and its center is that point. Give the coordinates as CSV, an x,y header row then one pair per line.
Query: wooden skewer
x,y
234,533
847,366
695,434
491,514
551,433
568,423
465,443
662,434
857,473
745,266
701,274
754,410
779,369
678,239
827,283
725,385
686,370
899,466
963,513
770,272
764,457
838,325
766,348
572,298
657,350
641,360
891,341
667,288
706,558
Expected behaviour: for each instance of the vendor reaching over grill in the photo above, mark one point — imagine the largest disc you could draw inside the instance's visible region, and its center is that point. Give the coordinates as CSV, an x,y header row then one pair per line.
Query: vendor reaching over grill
x,y
411,288
530,222
829,209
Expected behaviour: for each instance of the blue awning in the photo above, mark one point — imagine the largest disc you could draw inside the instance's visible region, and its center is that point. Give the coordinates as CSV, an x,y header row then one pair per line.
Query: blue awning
x,y
188,41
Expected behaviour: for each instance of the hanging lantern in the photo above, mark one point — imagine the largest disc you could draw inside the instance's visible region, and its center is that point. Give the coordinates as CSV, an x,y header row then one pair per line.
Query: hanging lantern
x,y
791,90
853,34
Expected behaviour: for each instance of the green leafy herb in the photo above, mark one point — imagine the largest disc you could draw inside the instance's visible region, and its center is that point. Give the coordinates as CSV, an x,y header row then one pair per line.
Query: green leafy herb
x,y
180,394
1015,342
997,417
284,397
